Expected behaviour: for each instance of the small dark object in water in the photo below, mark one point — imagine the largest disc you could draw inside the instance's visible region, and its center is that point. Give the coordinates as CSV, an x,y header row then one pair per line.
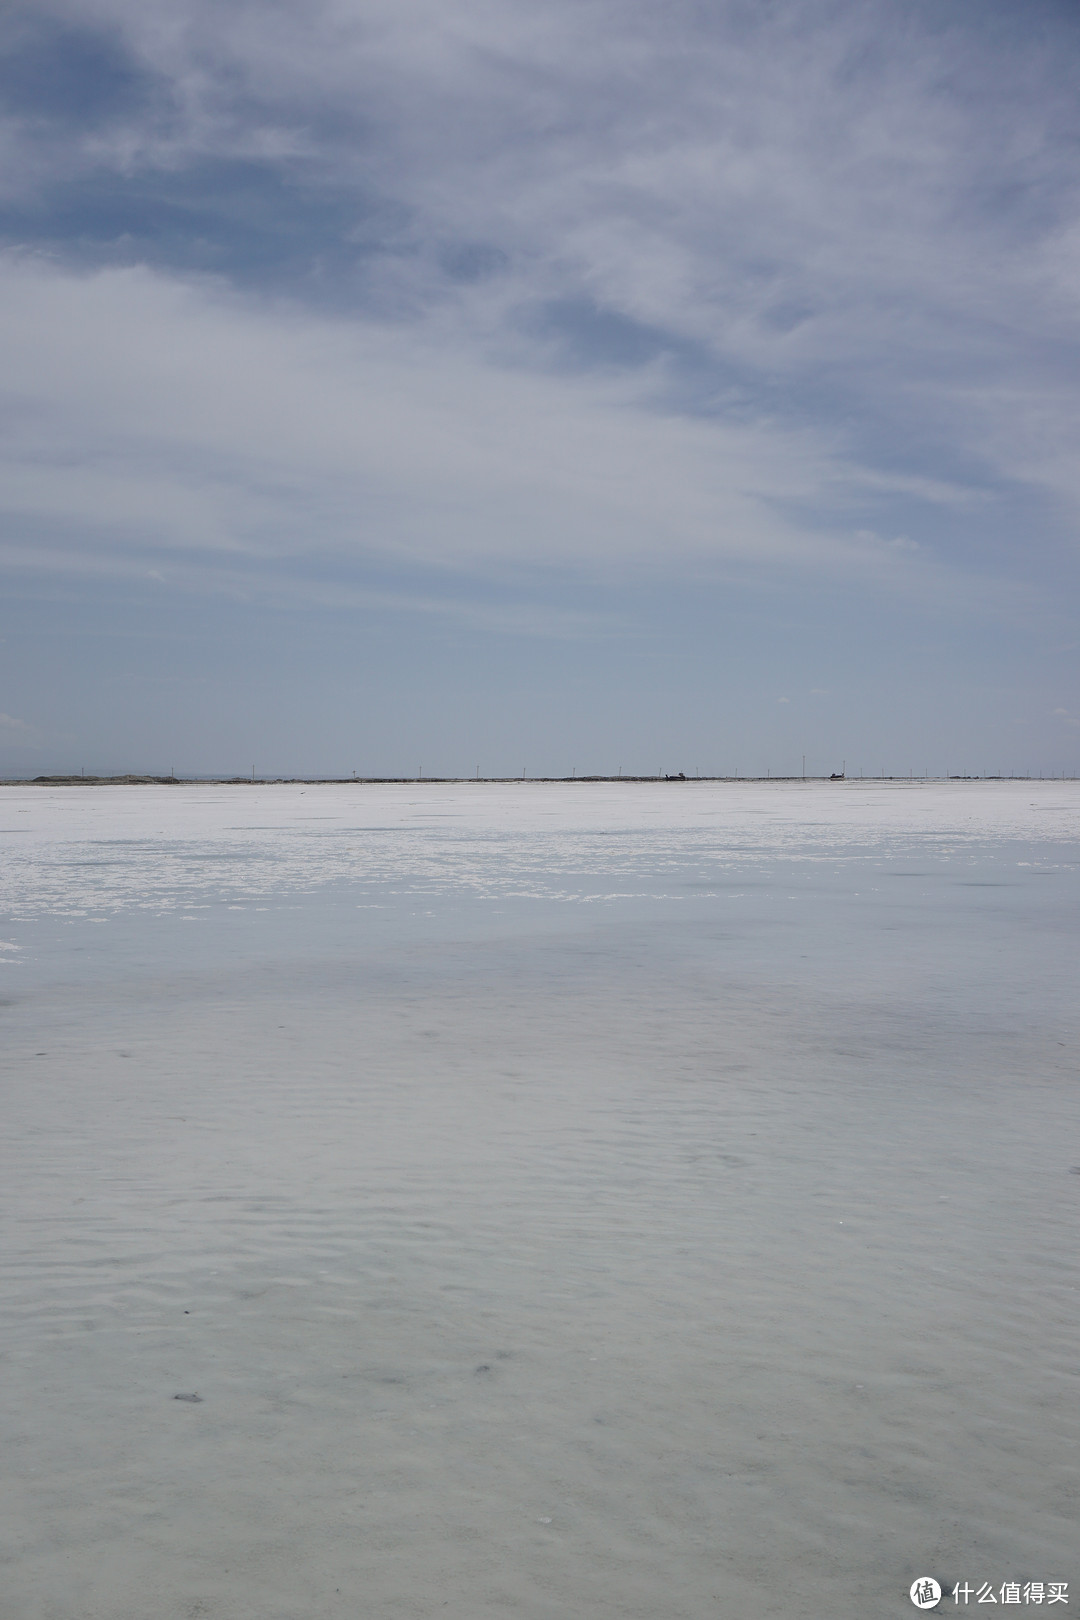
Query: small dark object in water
x,y
484,1367
187,1397
1074,1169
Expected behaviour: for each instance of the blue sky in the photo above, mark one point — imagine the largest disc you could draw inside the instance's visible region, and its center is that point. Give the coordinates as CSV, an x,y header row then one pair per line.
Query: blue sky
x,y
473,383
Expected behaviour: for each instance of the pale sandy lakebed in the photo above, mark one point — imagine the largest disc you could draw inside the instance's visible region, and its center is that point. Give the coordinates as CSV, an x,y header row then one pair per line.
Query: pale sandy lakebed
x,y
611,1200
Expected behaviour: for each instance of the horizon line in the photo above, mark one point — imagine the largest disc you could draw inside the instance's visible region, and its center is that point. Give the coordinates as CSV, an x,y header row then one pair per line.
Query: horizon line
x,y
140,779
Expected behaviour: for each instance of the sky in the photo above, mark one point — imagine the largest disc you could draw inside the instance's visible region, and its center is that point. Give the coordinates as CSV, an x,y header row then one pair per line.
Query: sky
x,y
478,385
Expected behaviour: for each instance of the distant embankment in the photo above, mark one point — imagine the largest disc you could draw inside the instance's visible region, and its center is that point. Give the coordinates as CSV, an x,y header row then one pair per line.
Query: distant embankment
x,y
381,781
100,781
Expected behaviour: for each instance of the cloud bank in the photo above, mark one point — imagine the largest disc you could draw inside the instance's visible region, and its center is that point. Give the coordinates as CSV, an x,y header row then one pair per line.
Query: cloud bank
x,y
488,283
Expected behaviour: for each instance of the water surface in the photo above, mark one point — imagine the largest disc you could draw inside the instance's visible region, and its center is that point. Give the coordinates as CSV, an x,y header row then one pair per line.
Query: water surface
x,y
623,1200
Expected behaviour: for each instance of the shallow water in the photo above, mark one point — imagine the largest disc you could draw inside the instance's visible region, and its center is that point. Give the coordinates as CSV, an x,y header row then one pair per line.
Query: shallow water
x,y
626,1200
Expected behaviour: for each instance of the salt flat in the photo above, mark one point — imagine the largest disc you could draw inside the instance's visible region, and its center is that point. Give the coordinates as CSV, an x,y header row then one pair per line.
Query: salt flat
x,y
618,1200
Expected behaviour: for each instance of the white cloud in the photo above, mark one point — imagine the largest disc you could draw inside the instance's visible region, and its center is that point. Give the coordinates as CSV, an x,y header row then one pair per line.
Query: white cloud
x,y
808,183
149,414
851,239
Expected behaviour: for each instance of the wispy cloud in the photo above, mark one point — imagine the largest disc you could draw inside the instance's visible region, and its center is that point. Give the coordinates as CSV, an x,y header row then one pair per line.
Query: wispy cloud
x,y
498,285
148,414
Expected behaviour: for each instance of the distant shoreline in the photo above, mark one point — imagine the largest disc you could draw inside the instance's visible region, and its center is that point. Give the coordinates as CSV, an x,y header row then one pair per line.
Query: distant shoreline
x,y
480,781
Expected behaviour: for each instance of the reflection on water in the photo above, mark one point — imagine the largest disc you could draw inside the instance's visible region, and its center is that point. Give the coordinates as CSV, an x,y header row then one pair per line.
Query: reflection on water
x,y
564,1201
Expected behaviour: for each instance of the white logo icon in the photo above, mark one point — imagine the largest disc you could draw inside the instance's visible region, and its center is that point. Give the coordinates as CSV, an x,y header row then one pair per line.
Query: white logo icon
x,y
925,1592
